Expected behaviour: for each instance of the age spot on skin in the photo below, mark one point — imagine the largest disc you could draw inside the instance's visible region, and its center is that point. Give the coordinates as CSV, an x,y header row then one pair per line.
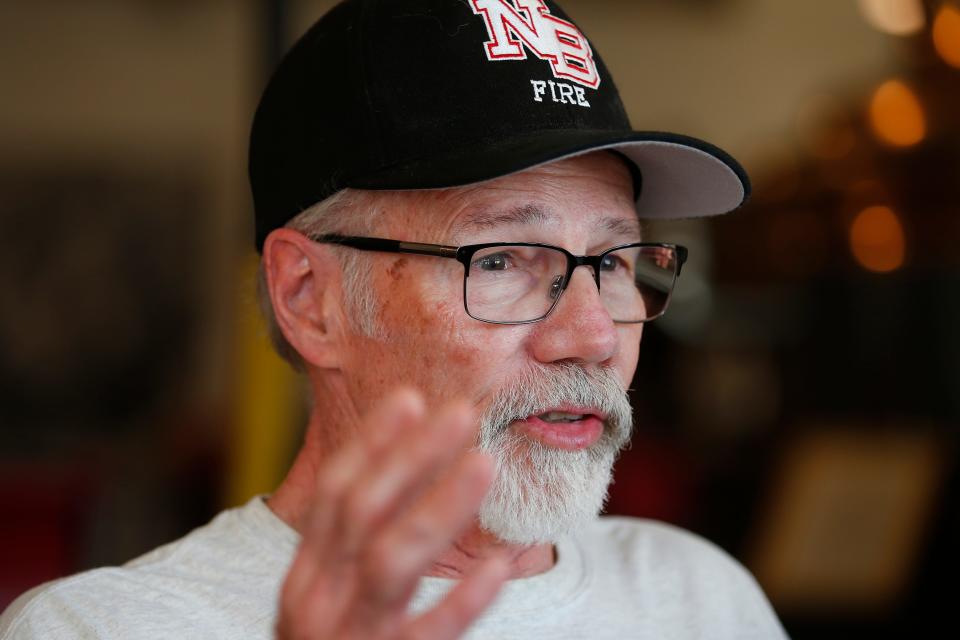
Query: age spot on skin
x,y
396,269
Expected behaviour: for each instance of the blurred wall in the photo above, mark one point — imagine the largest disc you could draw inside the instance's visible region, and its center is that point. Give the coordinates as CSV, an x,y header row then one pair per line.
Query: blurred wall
x,y
151,87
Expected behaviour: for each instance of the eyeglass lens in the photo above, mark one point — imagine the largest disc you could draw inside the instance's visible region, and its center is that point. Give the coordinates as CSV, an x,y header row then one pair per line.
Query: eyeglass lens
x,y
516,283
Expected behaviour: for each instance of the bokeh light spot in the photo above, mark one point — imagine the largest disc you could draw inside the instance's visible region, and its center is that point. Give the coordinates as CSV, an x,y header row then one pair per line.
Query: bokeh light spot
x,y
896,17
896,115
946,34
877,239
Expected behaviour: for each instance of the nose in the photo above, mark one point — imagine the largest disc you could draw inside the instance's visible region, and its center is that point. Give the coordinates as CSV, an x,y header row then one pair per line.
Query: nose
x,y
579,327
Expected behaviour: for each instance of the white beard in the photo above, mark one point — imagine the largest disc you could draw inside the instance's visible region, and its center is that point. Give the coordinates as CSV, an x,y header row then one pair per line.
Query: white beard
x,y
540,493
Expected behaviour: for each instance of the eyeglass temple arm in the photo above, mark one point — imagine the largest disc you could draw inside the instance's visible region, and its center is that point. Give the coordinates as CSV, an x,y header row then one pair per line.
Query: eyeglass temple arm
x,y
391,246
681,258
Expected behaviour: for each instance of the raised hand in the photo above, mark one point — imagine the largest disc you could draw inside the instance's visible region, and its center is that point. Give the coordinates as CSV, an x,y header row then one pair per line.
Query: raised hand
x,y
386,506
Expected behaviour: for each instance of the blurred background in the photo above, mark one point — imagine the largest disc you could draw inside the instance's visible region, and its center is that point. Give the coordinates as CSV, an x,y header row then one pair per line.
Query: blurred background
x,y
799,405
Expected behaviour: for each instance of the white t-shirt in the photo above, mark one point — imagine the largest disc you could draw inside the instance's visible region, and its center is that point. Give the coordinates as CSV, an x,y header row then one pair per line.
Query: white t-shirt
x,y
621,578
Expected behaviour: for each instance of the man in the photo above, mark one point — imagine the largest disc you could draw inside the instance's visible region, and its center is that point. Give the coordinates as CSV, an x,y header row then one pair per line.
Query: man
x,y
447,198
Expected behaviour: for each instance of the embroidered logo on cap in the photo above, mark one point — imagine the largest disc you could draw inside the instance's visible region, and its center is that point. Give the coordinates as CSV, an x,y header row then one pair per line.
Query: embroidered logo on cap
x,y
515,24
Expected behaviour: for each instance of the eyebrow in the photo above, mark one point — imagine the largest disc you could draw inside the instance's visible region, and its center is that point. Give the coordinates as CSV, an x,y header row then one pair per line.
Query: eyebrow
x,y
622,226
524,214
533,214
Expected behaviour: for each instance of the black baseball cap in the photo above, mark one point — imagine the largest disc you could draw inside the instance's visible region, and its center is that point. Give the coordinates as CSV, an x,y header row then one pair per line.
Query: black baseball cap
x,y
427,94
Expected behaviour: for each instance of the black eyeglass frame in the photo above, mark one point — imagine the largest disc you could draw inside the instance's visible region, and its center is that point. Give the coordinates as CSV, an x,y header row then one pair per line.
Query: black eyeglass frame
x,y
464,255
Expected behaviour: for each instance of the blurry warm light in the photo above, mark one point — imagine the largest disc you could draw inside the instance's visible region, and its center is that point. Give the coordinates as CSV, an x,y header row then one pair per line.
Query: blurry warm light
x,y
896,17
877,239
946,34
896,114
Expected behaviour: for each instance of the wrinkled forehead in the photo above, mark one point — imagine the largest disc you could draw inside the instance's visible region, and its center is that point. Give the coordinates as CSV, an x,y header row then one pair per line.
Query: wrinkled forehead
x,y
497,217
589,194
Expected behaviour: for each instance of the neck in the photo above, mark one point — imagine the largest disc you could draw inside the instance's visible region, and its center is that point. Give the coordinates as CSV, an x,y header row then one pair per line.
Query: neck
x,y
325,434
475,545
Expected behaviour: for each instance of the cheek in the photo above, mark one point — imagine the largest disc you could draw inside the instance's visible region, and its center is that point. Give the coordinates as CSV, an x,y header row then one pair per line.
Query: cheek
x,y
450,342
425,341
431,343
435,337
449,354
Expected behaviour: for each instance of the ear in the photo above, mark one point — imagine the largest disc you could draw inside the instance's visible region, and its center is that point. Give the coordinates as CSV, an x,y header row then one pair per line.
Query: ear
x,y
304,282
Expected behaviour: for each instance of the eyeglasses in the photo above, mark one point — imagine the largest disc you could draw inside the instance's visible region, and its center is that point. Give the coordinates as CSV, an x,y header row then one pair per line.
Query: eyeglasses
x,y
521,282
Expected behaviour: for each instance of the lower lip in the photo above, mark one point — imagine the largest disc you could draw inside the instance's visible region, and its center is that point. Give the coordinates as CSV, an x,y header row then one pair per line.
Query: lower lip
x,y
570,436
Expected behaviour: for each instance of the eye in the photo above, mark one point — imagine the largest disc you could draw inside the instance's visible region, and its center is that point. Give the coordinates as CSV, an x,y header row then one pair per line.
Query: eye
x,y
612,262
493,262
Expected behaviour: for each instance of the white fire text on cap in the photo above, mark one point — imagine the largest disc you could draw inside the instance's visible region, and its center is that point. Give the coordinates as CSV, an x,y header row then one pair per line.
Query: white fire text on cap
x,y
559,92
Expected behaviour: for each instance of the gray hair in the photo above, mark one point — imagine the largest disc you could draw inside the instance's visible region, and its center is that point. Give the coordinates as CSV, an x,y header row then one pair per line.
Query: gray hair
x,y
539,492
348,211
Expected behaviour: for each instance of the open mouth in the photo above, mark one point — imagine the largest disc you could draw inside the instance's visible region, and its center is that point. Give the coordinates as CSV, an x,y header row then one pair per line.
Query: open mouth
x,y
555,417
564,428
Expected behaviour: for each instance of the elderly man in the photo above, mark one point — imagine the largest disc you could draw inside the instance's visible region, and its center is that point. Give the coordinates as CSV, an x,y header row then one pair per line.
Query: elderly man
x,y
447,198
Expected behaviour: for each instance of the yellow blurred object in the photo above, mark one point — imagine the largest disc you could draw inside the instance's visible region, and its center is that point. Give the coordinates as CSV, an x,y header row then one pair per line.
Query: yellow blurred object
x,y
266,407
877,239
896,114
946,34
896,17
847,517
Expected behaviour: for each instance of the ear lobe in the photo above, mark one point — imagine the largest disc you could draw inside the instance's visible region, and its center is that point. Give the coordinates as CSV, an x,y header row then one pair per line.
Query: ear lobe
x,y
303,278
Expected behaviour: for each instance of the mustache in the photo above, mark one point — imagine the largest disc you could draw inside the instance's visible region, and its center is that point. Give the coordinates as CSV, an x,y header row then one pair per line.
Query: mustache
x,y
539,389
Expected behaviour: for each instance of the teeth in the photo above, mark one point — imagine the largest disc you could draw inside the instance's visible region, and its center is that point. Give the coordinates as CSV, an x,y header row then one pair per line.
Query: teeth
x,y
560,416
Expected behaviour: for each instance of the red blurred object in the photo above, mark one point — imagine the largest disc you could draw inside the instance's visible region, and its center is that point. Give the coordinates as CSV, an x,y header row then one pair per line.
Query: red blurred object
x,y
41,531
655,479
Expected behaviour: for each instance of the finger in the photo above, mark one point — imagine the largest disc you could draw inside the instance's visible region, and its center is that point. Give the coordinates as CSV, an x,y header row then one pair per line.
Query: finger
x,y
357,457
402,408
402,474
463,604
308,595
318,523
404,549
325,604
306,587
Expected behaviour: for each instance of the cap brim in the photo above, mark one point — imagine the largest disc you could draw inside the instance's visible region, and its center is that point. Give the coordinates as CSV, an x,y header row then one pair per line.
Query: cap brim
x,y
682,177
